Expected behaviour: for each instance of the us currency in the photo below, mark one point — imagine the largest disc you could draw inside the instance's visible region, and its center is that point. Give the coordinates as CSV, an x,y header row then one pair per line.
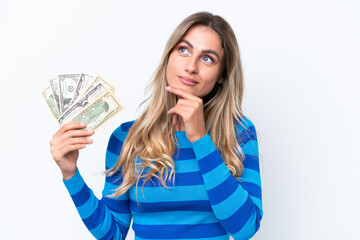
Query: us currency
x,y
67,85
81,103
100,111
80,88
54,84
98,79
51,102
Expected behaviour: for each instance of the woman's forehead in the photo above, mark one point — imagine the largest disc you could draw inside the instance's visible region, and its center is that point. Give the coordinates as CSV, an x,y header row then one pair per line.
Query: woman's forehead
x,y
203,38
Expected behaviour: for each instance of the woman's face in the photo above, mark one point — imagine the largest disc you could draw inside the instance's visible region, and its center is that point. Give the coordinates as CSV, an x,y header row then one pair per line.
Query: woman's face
x,y
195,63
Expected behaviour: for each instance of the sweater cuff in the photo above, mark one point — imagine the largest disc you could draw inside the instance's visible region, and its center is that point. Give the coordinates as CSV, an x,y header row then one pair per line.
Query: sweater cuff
x,y
203,146
75,183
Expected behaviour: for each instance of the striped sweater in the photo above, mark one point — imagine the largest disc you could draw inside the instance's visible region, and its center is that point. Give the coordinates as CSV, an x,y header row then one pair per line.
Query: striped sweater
x,y
205,202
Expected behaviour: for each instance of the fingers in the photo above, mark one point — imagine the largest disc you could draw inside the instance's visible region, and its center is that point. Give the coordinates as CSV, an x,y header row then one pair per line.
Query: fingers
x,y
58,138
74,134
63,141
70,137
186,107
183,93
190,103
69,126
72,141
58,155
71,148
186,112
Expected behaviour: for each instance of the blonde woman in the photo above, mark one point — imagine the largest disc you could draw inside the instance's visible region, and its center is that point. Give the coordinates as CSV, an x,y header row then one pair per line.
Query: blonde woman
x,y
188,167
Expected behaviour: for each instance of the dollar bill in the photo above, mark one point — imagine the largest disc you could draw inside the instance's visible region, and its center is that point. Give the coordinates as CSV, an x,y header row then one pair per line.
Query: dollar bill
x,y
67,86
80,97
81,86
99,111
98,79
54,85
51,102
81,103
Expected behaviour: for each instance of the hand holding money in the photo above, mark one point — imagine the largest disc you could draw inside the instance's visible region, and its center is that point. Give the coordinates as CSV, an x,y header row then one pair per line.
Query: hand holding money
x,y
65,145
81,104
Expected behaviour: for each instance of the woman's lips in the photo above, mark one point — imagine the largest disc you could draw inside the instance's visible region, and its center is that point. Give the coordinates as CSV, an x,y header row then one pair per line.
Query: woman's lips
x,y
188,81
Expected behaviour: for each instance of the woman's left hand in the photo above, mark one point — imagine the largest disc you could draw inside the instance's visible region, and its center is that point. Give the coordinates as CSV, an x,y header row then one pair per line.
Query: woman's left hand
x,y
190,109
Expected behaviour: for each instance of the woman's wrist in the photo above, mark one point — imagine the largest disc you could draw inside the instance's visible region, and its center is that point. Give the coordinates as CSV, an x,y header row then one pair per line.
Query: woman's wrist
x,y
68,175
197,136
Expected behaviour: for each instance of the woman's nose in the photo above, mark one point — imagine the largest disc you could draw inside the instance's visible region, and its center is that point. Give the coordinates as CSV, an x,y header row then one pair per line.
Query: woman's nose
x,y
191,65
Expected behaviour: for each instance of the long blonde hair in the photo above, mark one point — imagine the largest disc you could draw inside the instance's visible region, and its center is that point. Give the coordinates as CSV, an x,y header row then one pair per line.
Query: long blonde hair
x,y
152,138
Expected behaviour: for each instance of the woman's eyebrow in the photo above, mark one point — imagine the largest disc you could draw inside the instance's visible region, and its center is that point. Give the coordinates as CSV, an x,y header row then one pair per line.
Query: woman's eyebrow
x,y
203,51
187,42
213,52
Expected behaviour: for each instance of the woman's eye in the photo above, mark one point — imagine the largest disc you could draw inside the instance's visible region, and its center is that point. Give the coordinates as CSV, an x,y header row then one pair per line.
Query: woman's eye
x,y
183,50
208,59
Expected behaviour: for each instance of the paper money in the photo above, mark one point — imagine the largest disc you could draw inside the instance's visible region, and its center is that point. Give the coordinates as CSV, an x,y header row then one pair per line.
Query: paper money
x,y
79,105
54,84
80,88
100,111
51,102
67,86
98,79
80,97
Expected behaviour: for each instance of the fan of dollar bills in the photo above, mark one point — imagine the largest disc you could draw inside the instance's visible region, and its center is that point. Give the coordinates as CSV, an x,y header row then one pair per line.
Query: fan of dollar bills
x,y
81,98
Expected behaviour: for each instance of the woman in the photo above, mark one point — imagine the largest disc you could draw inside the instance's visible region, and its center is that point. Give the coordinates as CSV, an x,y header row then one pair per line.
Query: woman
x,y
188,167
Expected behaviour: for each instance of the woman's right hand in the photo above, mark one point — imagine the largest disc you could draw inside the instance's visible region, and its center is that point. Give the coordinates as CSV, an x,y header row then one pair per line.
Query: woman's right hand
x,y
65,145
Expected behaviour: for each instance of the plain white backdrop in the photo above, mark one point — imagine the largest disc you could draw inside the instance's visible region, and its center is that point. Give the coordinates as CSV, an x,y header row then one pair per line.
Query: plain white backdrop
x,y
301,67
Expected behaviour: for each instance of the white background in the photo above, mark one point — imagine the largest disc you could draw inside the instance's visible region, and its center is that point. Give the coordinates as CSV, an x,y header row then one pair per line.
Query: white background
x,y
301,66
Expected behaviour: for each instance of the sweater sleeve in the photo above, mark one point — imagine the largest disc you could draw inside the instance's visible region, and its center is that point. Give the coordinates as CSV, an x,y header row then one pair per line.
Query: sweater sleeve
x,y
105,218
237,203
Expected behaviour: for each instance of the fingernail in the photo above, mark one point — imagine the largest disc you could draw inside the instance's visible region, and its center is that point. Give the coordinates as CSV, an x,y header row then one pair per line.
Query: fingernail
x,y
168,87
90,131
89,140
82,124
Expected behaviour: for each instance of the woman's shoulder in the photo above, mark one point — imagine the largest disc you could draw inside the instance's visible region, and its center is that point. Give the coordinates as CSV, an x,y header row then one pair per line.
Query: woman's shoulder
x,y
122,130
115,143
244,123
245,129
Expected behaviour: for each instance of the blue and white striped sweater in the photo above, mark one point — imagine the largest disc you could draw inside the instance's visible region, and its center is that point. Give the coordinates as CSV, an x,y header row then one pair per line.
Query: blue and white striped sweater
x,y
206,202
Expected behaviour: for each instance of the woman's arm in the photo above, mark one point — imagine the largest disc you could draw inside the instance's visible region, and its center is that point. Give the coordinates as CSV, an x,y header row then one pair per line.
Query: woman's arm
x,y
107,218
237,203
